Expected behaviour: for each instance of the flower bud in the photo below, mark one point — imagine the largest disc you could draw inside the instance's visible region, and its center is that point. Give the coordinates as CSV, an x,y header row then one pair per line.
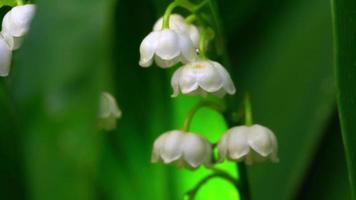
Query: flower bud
x,y
201,78
249,143
186,149
109,112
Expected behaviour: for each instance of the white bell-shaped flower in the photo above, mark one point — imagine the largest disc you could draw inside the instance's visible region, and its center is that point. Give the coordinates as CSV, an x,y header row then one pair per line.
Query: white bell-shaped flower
x,y
201,78
167,47
186,149
249,143
5,57
109,112
177,23
16,24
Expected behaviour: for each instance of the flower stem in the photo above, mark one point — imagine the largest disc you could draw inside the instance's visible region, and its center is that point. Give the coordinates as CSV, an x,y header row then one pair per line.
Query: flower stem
x,y
216,174
209,104
199,6
244,186
202,44
248,111
191,18
167,14
19,2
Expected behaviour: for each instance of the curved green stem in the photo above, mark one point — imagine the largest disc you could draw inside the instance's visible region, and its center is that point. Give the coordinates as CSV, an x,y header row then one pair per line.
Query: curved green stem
x,y
248,111
167,14
209,104
190,19
216,174
19,2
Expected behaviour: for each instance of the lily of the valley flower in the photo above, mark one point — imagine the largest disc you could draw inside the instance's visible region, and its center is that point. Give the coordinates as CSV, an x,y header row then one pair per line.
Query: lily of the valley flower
x,y
249,143
201,78
16,24
186,149
167,47
5,57
109,112
177,23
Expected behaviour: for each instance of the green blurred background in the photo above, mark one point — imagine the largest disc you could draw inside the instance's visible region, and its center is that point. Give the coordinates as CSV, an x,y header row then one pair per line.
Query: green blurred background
x,y
281,51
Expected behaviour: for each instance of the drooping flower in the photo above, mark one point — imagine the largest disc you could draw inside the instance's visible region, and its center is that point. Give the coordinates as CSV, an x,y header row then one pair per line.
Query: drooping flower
x,y
186,149
5,57
167,47
177,23
109,112
16,24
249,143
201,78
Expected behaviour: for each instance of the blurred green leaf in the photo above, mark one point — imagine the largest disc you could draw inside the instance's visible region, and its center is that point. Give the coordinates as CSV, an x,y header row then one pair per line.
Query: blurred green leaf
x,y
344,28
284,61
56,82
7,3
328,180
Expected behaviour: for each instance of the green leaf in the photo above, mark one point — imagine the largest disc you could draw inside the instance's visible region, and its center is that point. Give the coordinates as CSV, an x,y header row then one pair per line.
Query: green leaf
x,y
344,28
286,64
8,3
56,82
320,181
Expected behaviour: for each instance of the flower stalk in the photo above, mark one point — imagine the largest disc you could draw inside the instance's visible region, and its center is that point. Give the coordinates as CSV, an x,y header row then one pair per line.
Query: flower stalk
x,y
167,14
216,174
248,111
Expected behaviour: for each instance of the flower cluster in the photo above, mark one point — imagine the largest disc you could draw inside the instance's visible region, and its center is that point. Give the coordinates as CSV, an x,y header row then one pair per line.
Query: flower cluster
x,y
242,143
175,40
178,43
15,25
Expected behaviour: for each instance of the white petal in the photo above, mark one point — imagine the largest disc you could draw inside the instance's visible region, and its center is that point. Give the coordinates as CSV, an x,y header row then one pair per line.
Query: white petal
x,y
194,35
238,142
194,148
17,21
172,147
188,81
5,57
228,84
187,49
259,140
148,47
207,76
223,148
175,82
168,45
166,63
157,146
274,155
14,43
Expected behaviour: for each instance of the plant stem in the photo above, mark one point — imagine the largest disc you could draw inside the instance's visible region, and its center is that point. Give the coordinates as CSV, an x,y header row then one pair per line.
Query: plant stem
x,y
248,111
190,19
244,186
209,104
19,2
202,44
216,174
167,14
